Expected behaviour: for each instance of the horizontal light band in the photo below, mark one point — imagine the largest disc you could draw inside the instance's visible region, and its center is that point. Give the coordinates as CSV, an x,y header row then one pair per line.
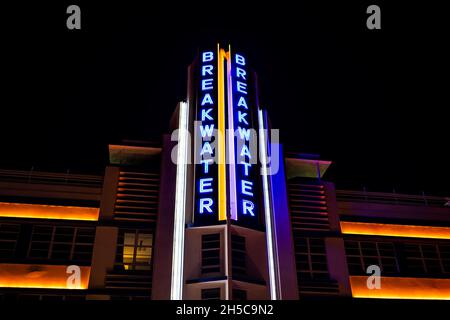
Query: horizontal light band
x,y
393,230
40,276
402,288
39,211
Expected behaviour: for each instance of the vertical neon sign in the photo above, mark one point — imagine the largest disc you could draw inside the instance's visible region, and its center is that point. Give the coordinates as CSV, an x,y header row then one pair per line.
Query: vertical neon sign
x,y
244,173
226,103
206,168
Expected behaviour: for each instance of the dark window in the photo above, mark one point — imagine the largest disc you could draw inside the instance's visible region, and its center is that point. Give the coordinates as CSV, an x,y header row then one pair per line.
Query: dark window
x,y
211,253
28,297
424,258
47,297
239,294
52,298
62,243
311,258
361,254
75,298
9,235
130,298
134,250
211,294
238,255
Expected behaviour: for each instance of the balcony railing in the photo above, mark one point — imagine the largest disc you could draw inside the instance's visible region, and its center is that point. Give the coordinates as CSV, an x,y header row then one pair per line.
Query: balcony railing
x,y
36,177
392,198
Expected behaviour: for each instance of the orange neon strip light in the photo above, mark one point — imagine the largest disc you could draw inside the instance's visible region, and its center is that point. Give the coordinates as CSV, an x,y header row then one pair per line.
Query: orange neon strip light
x,y
402,288
39,211
221,135
393,230
40,276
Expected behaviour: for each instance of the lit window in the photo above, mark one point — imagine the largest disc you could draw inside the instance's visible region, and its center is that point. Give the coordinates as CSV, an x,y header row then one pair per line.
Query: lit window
x,y
134,250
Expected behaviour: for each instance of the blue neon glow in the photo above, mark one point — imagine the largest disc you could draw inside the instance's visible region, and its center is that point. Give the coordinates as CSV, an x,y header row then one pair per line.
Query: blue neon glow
x,y
207,99
247,207
205,114
242,102
206,185
206,163
206,130
207,84
244,133
207,56
245,151
241,73
205,117
207,70
241,117
206,149
246,187
246,168
241,87
240,59
205,203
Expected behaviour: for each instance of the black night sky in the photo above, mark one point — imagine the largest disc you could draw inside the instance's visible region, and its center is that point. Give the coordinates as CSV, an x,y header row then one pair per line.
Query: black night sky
x,y
373,101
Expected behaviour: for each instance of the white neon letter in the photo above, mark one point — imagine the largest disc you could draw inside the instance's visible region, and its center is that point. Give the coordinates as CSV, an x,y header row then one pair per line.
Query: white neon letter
x,y
207,69
248,206
246,187
207,56
240,60
206,203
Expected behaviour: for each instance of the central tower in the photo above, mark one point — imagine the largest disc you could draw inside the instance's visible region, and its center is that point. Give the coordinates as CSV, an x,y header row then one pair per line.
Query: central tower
x,y
224,230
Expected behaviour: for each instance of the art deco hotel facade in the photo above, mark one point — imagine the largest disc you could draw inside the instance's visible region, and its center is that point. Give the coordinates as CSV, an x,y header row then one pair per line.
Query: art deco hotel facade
x,y
222,226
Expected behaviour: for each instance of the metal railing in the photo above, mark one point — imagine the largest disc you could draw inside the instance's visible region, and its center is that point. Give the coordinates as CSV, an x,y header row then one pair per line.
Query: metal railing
x,y
36,177
392,198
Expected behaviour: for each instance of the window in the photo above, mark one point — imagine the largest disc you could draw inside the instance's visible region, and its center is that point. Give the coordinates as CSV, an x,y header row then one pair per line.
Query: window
x,y
211,253
427,258
48,297
211,294
361,254
239,294
238,255
311,258
62,243
9,235
134,250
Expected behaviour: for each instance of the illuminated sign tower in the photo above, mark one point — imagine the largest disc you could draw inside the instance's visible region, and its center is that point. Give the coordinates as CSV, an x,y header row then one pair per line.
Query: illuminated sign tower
x,y
224,231
225,141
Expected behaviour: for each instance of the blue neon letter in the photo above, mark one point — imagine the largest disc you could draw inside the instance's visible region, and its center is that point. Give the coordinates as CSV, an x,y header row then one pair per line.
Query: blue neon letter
x,y
207,99
240,60
205,185
241,87
206,203
246,187
242,102
241,73
207,56
248,206
207,69
207,84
